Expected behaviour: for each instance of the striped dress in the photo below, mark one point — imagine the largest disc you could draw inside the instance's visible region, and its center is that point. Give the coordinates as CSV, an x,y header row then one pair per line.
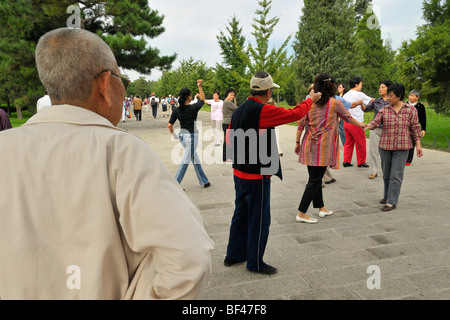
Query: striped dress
x,y
320,144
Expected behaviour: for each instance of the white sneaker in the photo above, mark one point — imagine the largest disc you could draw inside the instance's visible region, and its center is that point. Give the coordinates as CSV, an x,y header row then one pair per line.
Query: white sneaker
x,y
310,220
323,214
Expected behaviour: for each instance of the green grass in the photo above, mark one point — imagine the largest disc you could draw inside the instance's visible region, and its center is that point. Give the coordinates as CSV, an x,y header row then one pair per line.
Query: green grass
x,y
438,129
15,122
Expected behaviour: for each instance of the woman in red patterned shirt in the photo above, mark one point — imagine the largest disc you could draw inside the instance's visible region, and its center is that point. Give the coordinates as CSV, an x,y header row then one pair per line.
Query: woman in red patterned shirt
x,y
320,146
400,123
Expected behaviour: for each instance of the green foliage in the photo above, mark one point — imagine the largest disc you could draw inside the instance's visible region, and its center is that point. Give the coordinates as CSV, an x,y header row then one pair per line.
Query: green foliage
x,y
371,55
186,75
424,63
122,24
139,87
242,62
324,42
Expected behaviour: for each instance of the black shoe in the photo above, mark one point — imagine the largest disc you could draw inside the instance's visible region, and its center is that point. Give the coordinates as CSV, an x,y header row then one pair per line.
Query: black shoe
x,y
364,165
207,185
331,181
230,262
383,201
267,270
347,164
388,208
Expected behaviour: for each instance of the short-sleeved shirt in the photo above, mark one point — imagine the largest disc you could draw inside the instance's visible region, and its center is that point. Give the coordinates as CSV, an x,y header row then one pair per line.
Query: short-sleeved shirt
x,y
216,109
353,96
137,103
187,116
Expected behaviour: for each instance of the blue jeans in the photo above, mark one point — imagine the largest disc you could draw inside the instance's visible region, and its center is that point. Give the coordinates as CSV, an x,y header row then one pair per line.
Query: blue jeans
x,y
189,141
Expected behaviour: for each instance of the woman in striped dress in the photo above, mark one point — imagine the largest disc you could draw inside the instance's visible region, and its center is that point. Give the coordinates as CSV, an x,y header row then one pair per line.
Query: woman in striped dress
x,y
320,146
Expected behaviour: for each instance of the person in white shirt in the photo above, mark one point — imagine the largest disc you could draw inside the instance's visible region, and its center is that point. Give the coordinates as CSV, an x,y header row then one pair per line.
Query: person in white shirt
x,y
354,135
216,117
43,102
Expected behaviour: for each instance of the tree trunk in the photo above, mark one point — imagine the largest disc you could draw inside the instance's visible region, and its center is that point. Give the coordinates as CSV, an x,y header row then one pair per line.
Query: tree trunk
x,y
19,113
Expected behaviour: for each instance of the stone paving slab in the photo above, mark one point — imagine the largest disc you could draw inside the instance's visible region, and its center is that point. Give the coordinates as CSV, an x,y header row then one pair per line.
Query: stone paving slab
x,y
328,260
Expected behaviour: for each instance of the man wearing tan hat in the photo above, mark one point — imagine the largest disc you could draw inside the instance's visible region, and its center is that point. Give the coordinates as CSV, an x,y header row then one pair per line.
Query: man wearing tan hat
x,y
255,159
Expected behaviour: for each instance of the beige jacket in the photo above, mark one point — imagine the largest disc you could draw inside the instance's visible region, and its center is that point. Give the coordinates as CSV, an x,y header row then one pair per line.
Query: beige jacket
x,y
88,211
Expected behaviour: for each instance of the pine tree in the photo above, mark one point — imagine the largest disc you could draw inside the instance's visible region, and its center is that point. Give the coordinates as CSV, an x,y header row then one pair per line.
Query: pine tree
x,y
231,44
424,63
371,55
229,73
323,42
122,24
257,57
361,7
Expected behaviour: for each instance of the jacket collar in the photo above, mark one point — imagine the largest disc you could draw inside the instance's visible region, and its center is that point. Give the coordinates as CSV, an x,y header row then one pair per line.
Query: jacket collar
x,y
71,115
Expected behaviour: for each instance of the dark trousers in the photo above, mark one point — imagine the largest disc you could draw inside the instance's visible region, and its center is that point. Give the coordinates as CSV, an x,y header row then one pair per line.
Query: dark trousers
x,y
249,229
154,110
411,151
313,191
227,150
138,115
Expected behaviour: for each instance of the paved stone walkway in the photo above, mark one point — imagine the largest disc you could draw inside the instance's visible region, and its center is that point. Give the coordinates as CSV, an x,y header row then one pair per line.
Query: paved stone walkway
x,y
409,246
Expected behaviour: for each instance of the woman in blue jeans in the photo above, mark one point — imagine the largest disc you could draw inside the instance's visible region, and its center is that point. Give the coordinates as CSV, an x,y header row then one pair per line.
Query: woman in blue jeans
x,y
187,113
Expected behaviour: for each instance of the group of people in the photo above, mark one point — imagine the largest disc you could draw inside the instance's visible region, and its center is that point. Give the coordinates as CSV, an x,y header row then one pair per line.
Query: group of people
x,y
136,105
106,225
394,131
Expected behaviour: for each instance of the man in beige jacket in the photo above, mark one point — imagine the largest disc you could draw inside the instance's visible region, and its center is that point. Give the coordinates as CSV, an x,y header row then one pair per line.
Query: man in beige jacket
x,y
89,211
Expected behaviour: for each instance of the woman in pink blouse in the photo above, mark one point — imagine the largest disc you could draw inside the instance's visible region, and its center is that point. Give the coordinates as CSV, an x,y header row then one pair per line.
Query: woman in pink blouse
x,y
320,145
216,116
400,122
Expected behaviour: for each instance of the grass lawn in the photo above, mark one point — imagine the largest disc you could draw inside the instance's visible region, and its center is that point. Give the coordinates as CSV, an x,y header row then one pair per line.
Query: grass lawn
x,y
16,122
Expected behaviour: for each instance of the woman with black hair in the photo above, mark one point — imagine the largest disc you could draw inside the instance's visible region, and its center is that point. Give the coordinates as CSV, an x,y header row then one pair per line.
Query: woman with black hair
x,y
320,145
400,122
375,135
187,113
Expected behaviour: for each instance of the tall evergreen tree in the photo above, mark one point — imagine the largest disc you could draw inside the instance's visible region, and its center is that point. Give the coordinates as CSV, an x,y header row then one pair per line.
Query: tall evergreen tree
x,y
258,57
361,7
231,44
324,42
424,63
122,24
229,73
371,55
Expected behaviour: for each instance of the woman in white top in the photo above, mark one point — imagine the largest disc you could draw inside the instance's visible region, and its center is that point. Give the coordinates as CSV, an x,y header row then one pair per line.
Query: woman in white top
x,y
216,117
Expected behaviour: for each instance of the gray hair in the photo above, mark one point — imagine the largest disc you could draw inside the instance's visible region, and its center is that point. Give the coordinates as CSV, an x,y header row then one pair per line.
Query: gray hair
x,y
415,92
67,61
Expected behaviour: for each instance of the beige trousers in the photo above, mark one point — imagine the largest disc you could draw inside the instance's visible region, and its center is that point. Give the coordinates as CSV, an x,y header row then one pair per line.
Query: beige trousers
x,y
374,154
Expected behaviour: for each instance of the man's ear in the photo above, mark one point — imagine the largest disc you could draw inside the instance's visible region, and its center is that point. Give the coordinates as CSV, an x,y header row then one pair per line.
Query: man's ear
x,y
103,87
